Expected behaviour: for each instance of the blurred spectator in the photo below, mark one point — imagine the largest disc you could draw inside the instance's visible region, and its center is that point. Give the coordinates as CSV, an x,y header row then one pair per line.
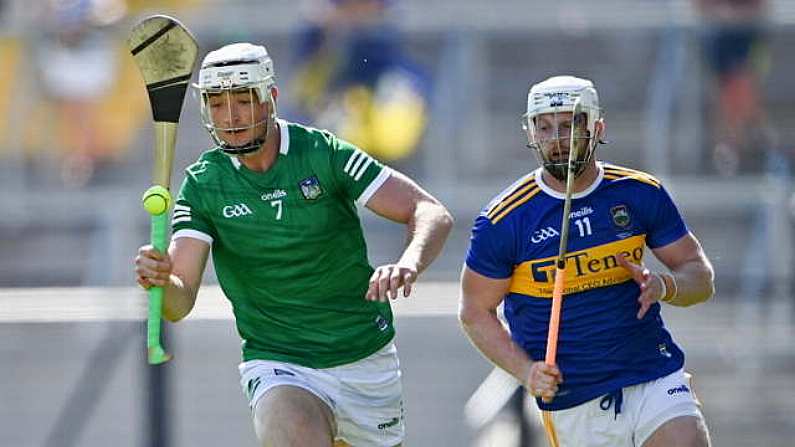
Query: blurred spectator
x,y
354,78
77,65
734,45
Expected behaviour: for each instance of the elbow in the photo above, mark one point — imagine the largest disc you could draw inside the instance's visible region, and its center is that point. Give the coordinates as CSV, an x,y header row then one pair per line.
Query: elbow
x,y
468,317
700,298
442,217
700,286
175,310
174,317
432,208
178,299
709,279
702,294
464,318
467,323
446,220
710,292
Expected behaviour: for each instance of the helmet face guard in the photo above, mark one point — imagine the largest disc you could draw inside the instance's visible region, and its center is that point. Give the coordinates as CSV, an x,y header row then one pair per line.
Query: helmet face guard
x,y
554,129
223,109
236,73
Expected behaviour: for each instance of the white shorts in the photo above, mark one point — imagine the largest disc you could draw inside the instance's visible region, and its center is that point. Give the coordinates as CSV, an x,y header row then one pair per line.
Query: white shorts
x,y
645,408
366,397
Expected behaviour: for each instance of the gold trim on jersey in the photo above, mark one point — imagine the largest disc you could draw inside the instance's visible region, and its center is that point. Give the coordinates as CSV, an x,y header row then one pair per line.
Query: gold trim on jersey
x,y
586,269
516,191
515,198
613,172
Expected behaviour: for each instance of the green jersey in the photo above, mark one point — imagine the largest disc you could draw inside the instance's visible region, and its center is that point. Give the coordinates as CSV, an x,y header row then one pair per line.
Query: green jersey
x,y
288,247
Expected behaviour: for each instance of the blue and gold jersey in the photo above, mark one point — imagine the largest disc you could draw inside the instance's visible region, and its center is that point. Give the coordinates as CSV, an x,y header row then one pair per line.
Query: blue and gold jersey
x,y
602,345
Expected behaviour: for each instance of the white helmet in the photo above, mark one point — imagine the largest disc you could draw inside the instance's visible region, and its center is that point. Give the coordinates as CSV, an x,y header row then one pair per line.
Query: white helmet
x,y
558,95
236,67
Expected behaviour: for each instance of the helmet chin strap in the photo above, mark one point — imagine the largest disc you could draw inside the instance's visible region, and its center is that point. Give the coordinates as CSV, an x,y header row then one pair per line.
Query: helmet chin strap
x,y
560,170
247,148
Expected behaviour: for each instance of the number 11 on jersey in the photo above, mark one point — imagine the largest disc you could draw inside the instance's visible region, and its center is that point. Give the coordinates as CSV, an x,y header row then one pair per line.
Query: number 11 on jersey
x,y
584,226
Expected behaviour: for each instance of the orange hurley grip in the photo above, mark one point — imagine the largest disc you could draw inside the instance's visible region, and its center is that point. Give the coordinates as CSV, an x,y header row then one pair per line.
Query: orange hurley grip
x,y
554,317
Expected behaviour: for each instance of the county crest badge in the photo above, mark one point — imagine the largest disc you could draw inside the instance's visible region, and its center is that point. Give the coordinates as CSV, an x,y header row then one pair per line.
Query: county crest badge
x,y
620,215
310,188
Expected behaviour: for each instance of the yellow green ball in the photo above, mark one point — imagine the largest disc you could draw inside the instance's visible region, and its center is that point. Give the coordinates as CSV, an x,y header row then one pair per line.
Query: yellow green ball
x,y
156,200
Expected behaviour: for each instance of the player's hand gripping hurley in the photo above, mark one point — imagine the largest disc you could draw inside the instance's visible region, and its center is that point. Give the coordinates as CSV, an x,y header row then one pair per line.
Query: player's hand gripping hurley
x,y
560,264
165,53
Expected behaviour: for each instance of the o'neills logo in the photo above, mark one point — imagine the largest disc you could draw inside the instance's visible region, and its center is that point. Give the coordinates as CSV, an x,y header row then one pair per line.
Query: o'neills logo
x,y
582,212
274,195
679,389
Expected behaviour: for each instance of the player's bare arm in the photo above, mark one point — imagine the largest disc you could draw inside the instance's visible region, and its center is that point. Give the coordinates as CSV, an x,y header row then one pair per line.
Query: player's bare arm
x,y
690,280
179,272
428,224
693,274
480,297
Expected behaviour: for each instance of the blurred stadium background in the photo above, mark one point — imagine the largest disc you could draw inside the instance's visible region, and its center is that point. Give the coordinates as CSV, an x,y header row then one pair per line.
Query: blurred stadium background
x,y
75,156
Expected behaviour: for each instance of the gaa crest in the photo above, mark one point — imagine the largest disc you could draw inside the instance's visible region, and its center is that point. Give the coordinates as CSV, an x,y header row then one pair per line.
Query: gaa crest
x,y
310,188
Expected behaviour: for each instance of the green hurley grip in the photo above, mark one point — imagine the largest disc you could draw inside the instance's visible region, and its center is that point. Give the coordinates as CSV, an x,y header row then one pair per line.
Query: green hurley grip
x,y
156,353
159,226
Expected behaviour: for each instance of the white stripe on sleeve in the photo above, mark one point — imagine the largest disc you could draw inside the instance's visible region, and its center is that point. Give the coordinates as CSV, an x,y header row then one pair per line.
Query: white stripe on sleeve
x,y
374,186
358,163
363,169
352,158
193,234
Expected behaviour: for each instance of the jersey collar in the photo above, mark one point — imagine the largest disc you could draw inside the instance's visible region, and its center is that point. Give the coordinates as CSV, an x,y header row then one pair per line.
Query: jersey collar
x,y
560,195
284,144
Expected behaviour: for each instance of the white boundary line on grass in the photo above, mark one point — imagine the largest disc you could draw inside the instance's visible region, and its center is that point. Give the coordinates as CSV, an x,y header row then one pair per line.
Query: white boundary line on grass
x,y
41,305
